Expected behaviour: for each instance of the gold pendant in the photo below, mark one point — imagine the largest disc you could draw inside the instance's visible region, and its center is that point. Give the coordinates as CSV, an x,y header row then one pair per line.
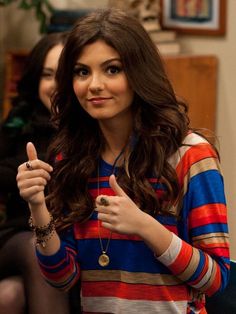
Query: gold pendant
x,y
103,260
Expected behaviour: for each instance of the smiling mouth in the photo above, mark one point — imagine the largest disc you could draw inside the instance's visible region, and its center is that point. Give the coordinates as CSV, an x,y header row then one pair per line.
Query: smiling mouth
x,y
98,100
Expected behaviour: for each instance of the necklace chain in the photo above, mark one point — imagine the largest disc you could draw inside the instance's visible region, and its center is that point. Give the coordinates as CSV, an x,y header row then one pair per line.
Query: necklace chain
x,y
104,259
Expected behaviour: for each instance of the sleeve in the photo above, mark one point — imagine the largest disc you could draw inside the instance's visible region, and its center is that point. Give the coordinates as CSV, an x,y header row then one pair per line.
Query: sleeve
x,y
61,270
200,255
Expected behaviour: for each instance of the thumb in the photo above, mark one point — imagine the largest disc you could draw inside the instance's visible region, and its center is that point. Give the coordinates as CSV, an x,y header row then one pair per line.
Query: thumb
x,y
115,186
31,151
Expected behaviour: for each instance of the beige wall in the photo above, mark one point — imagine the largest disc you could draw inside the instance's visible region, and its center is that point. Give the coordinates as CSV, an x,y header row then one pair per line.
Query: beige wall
x,y
225,49
21,31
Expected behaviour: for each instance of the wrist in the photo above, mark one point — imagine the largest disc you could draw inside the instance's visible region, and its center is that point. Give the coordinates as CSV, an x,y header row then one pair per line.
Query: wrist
x,y
154,234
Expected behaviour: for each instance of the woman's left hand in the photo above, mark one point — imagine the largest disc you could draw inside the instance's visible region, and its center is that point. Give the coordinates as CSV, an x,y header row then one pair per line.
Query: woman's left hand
x,y
120,214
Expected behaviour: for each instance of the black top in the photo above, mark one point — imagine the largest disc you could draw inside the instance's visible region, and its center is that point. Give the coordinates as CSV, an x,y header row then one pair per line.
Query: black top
x,y
21,126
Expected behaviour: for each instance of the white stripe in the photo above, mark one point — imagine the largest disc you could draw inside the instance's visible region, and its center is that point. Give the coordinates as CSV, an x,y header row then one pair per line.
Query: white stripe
x,y
111,305
206,277
191,139
172,252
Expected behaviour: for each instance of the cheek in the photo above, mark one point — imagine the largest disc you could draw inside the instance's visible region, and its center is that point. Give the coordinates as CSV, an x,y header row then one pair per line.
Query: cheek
x,y
79,89
124,89
41,90
45,93
44,89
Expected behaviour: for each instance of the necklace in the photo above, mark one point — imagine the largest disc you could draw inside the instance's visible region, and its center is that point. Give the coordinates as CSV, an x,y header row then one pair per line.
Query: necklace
x,y
104,259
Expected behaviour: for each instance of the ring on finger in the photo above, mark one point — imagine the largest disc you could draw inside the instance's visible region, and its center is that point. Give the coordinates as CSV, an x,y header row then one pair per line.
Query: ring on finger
x,y
28,165
104,201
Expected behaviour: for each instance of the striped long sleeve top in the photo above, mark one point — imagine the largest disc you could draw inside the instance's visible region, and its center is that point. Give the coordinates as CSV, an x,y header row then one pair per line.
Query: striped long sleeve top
x,y
136,281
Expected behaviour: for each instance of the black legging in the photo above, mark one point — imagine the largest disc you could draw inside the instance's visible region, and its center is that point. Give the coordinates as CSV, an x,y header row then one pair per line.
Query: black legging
x,y
17,256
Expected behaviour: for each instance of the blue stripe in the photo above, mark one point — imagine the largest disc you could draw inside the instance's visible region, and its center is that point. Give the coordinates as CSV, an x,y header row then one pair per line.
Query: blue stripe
x,y
200,267
209,228
137,258
204,188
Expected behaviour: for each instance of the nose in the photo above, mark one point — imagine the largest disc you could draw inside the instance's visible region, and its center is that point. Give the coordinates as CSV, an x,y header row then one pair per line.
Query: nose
x,y
96,84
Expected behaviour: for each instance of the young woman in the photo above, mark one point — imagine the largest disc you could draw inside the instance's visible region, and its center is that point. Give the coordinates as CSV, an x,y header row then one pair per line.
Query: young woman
x,y
136,205
22,285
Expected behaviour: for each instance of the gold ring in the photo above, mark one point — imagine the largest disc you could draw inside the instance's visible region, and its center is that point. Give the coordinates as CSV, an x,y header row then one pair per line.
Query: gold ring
x,y
28,165
104,201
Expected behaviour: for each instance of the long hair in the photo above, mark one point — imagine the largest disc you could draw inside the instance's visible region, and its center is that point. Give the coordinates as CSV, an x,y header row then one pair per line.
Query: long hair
x,y
160,120
27,105
29,83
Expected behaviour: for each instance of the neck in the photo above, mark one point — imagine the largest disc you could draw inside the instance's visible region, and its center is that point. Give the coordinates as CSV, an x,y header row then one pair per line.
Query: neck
x,y
116,140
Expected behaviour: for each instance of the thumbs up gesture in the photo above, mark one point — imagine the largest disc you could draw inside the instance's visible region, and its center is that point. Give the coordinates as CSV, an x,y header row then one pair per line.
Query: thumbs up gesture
x,y
119,213
32,177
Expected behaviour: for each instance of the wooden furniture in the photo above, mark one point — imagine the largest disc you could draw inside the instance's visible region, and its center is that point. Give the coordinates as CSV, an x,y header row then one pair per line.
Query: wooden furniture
x,y
15,62
194,79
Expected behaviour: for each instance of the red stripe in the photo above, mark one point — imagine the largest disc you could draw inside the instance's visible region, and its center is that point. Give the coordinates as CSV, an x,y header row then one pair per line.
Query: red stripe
x,y
61,275
191,158
216,283
182,260
134,291
89,230
213,213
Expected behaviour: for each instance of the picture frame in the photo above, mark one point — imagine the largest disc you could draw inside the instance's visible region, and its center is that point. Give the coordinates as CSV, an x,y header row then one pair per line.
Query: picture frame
x,y
194,17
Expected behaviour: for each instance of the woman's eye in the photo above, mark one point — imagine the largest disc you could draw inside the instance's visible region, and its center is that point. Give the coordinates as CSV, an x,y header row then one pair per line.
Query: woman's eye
x,y
81,71
47,75
113,69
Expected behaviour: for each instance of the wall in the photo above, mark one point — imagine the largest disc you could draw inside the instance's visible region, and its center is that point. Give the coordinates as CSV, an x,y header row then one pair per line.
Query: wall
x,y
225,49
19,29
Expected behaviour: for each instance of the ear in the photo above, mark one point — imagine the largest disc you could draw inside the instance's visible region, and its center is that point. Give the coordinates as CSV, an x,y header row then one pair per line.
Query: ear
x,y
115,186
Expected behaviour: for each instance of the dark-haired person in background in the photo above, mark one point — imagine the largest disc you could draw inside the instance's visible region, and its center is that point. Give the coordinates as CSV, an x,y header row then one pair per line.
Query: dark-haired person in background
x,y
22,287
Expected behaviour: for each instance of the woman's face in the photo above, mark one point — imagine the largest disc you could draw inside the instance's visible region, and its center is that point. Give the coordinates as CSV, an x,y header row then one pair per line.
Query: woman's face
x,y
47,81
100,83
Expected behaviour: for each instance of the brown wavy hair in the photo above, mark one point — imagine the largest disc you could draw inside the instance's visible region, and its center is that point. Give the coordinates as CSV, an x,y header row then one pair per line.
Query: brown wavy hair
x,y
160,121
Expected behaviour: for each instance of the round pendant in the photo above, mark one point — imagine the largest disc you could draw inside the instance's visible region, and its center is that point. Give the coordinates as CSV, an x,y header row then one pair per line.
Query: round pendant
x,y
103,260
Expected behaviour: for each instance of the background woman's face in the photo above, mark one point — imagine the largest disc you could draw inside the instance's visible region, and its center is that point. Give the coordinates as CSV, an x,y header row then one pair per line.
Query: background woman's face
x,y
47,83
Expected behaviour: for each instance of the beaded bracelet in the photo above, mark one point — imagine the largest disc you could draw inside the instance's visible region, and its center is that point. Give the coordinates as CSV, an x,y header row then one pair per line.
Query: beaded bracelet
x,y
43,233
44,241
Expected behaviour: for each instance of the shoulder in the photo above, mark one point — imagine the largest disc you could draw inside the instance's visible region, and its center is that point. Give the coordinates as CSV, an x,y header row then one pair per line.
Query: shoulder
x,y
193,149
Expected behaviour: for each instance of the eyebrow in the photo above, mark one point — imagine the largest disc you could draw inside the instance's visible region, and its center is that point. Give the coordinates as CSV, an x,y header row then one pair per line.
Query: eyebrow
x,y
103,64
47,69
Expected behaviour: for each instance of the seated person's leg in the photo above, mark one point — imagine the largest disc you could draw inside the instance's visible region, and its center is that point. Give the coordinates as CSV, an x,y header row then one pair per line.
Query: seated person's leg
x,y
40,297
12,295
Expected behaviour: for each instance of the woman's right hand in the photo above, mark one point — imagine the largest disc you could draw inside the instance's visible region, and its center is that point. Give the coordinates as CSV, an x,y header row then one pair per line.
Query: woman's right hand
x,y
32,178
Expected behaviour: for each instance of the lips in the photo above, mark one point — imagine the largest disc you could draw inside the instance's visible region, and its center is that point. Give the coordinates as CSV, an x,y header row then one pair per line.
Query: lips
x,y
98,100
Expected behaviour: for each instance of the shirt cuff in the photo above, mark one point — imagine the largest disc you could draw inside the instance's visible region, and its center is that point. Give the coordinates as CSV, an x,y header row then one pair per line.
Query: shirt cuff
x,y
169,256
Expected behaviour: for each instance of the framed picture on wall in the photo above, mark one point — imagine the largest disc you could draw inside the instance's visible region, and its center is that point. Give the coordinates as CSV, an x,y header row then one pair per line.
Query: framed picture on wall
x,y
196,17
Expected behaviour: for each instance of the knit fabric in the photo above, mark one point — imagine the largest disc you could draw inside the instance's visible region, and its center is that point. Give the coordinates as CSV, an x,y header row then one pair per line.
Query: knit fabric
x,y
136,281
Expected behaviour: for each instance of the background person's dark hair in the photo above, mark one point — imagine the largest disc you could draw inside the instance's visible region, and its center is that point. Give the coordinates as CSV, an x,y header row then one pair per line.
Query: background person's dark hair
x,y
28,110
160,120
28,85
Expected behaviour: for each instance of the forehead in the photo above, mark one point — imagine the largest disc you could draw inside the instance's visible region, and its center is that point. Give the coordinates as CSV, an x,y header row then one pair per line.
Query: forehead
x,y
52,56
97,51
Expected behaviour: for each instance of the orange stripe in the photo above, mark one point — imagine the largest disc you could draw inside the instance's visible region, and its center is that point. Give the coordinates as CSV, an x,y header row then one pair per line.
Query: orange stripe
x,y
191,158
181,262
213,213
198,222
89,230
134,291
216,283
